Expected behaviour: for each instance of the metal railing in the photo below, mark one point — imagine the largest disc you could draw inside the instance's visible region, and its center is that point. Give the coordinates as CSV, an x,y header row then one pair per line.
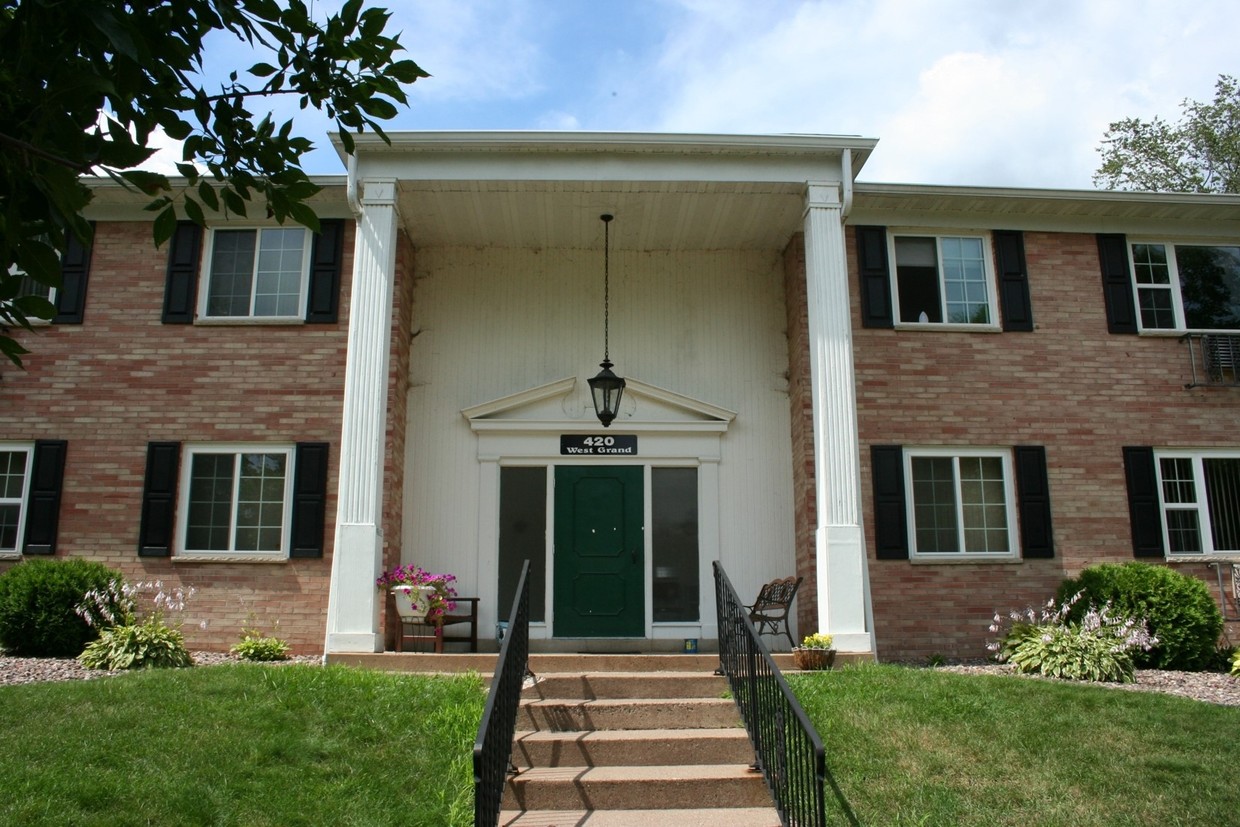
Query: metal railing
x,y
493,746
788,750
1214,357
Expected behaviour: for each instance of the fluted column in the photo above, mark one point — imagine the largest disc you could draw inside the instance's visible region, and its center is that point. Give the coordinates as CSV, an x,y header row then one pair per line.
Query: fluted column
x,y
353,603
843,580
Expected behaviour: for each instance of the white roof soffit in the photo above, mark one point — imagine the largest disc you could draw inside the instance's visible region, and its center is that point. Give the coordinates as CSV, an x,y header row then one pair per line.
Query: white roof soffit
x,y
1045,209
546,190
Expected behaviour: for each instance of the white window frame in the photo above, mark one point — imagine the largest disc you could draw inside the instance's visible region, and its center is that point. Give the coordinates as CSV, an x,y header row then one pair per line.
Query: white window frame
x,y
204,280
183,501
1174,285
22,502
992,287
1199,506
1009,496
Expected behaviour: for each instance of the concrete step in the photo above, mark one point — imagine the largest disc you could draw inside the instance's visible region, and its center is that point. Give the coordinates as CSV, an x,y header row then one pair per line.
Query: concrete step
x,y
545,663
595,685
697,786
564,715
735,817
634,748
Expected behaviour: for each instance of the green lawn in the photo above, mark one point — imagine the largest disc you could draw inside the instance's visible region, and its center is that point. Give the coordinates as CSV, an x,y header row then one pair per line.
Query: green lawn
x,y
920,747
289,745
240,745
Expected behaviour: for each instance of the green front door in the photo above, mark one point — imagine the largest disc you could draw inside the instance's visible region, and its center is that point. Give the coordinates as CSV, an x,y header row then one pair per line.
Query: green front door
x,y
599,571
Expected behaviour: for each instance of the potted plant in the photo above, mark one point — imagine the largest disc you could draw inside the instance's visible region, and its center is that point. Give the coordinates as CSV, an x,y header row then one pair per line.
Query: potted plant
x,y
815,652
420,595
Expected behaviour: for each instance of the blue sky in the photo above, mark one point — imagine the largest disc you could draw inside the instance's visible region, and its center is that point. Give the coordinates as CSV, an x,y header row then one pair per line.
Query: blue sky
x,y
963,92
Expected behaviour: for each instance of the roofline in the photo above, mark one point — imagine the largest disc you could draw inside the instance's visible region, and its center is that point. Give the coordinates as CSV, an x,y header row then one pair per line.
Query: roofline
x,y
862,188
628,142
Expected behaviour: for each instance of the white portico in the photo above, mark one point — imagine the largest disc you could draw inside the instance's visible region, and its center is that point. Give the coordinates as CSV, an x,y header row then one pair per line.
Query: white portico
x,y
507,325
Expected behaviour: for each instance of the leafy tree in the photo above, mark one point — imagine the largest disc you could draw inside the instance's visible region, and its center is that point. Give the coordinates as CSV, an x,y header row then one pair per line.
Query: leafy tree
x,y
86,85
1200,153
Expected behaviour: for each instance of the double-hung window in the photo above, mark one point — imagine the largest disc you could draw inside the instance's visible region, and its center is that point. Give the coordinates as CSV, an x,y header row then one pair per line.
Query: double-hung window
x,y
258,272
1186,286
1200,498
961,503
15,464
943,279
237,500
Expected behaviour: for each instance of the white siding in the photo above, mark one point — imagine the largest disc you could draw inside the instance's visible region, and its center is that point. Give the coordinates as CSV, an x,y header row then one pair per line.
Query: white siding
x,y
492,322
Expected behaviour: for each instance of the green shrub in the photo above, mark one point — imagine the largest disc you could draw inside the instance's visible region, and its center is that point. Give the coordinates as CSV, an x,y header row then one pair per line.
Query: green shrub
x,y
1235,662
1179,609
254,646
137,646
37,601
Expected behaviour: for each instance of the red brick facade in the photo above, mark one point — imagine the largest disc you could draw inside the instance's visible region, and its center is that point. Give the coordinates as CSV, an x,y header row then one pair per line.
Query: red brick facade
x,y
123,379
1069,386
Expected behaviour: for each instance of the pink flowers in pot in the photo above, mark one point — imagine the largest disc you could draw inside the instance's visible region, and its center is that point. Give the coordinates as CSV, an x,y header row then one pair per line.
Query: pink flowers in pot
x,y
412,580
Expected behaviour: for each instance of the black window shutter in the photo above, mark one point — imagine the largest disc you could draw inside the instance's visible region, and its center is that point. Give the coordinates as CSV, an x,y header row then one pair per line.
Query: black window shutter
x,y
1033,496
890,513
1144,508
325,260
1013,280
43,506
181,287
875,277
74,270
309,499
1117,283
159,499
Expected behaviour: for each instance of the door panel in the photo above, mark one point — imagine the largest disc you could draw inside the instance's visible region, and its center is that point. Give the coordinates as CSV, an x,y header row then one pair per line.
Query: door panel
x,y
599,552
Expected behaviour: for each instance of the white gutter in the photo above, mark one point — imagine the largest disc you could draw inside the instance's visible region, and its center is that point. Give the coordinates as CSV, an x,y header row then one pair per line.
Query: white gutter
x,y
350,189
847,187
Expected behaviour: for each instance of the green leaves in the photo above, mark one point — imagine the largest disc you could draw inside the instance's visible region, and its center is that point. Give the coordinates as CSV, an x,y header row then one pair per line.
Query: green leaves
x,y
64,63
1200,153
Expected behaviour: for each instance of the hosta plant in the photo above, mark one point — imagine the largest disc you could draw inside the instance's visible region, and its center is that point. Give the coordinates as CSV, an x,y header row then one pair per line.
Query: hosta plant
x,y
1235,663
131,637
1098,647
257,647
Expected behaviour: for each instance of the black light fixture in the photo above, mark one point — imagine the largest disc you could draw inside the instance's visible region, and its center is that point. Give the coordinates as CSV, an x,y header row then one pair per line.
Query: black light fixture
x,y
606,387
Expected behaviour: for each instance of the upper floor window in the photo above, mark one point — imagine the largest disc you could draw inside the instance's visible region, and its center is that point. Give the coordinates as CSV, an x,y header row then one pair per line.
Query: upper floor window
x,y
15,462
258,272
1200,495
943,280
1186,286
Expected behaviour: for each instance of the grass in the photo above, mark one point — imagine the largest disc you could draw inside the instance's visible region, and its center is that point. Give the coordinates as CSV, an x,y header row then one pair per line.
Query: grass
x,y
240,745
920,747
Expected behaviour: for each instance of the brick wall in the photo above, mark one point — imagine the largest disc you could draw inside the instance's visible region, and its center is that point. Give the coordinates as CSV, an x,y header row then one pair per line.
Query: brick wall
x,y
122,379
1069,386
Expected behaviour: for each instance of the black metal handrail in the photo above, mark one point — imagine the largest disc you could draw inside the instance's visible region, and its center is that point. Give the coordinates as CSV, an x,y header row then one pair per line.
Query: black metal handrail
x,y
1214,358
788,749
493,746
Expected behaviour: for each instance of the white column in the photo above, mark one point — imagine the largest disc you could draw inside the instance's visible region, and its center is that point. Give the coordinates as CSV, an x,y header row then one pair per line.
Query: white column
x,y
353,602
843,580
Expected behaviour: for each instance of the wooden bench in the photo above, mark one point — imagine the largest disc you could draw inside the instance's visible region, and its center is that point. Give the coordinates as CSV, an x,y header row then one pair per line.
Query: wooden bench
x,y
418,630
771,609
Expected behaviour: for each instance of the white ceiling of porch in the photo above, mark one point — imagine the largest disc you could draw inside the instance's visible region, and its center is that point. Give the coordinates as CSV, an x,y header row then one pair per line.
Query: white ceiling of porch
x,y
661,215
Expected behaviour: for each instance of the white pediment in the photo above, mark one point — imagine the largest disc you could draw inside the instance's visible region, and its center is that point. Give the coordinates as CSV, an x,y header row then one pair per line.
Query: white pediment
x,y
565,405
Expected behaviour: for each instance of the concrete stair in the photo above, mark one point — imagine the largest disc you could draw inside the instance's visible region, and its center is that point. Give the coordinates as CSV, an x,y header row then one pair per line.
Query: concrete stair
x,y
610,741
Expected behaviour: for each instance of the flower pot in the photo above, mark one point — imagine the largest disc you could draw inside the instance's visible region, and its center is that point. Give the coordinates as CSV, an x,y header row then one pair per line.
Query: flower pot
x,y
813,658
412,602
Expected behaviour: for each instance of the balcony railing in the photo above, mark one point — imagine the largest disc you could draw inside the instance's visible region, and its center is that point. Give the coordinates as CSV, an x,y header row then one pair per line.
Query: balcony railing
x,y
1215,358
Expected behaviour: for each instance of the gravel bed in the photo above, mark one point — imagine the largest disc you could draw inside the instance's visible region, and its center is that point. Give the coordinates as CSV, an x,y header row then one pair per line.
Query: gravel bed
x,y
1210,687
34,670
